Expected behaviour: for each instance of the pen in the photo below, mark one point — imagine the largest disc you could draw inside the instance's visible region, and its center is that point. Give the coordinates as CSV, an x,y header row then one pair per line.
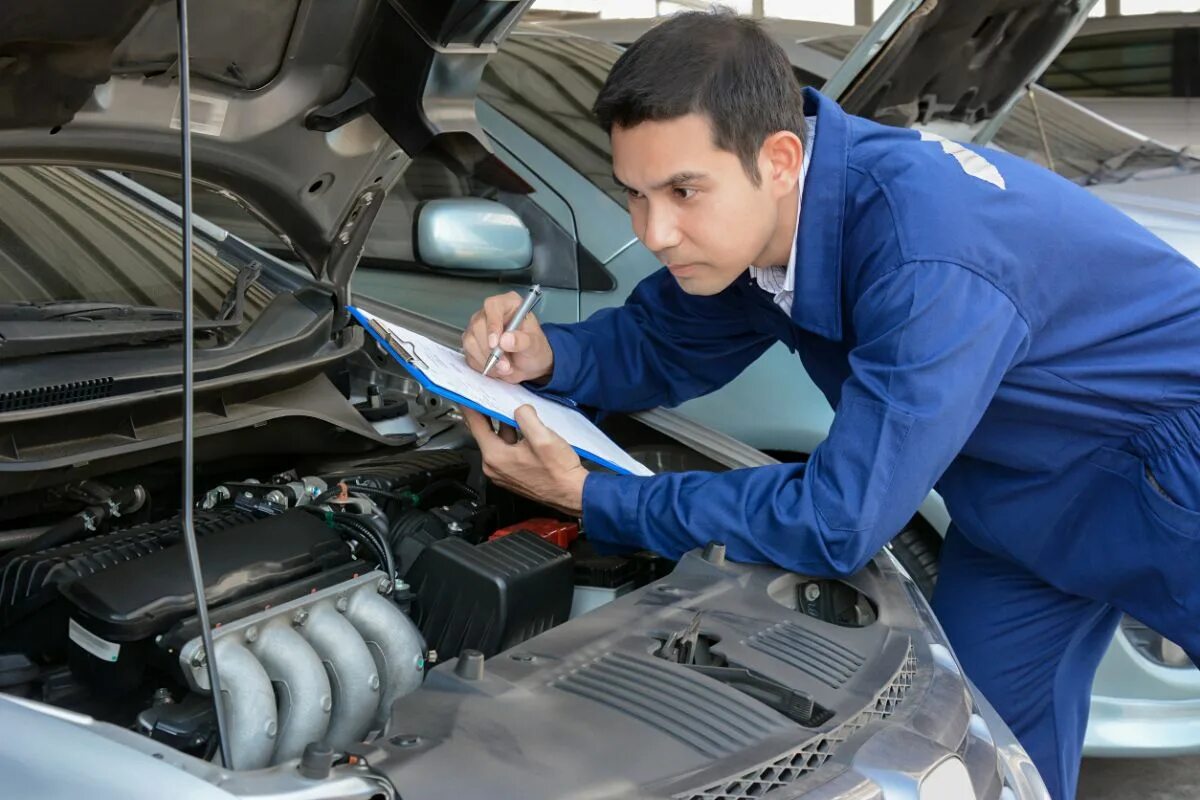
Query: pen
x,y
535,294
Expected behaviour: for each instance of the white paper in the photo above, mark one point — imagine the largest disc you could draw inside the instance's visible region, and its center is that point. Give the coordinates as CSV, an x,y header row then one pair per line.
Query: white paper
x,y
447,369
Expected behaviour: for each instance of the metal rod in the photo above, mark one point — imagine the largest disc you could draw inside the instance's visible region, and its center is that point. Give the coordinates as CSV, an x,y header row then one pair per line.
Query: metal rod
x,y
189,335
1037,116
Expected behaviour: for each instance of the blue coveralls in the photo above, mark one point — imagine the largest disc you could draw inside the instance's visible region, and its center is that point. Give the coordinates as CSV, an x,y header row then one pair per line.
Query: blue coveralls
x,y
984,326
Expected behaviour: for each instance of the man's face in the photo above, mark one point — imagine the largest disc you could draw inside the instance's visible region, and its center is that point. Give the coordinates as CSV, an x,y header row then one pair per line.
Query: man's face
x,y
692,203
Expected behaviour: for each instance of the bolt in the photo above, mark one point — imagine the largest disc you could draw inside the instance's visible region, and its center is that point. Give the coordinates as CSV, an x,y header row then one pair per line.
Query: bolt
x,y
385,585
431,657
399,585
300,618
199,658
373,682
271,729
812,592
162,697
342,604
251,633
344,237
327,703
158,639
368,198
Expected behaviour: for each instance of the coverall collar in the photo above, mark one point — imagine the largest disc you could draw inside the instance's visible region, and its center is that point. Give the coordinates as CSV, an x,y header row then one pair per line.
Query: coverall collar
x,y
817,304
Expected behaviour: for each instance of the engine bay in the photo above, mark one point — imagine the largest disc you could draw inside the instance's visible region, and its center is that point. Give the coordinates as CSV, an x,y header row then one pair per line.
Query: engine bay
x,y
377,605
333,583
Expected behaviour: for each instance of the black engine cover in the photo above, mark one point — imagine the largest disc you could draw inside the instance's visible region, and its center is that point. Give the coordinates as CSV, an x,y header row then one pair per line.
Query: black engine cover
x,y
139,599
33,614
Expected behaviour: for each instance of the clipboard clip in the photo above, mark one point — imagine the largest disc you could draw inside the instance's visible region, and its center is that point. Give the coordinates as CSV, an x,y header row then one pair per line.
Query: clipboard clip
x,y
403,348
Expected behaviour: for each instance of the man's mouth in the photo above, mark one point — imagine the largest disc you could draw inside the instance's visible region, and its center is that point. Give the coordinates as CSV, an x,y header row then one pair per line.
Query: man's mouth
x,y
681,269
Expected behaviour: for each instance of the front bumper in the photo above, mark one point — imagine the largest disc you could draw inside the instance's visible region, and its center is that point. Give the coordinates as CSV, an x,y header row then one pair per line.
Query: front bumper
x,y
1140,708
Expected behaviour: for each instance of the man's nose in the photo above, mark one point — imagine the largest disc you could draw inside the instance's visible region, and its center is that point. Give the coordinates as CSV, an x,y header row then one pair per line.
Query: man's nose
x,y
661,230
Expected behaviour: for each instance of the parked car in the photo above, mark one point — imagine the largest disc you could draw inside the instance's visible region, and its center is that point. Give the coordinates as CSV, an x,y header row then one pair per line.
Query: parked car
x,y
386,623
534,105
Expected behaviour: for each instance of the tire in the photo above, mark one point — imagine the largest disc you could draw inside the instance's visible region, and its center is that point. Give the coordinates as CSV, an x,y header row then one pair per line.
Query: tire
x,y
918,548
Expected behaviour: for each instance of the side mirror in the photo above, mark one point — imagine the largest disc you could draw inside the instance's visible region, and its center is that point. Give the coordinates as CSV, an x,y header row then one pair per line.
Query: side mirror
x,y
469,234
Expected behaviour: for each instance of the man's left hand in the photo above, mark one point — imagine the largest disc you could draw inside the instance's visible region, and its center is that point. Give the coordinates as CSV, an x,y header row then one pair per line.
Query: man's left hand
x,y
540,466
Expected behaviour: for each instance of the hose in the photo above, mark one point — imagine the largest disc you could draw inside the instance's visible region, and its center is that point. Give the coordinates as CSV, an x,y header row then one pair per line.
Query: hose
x,y
122,501
363,529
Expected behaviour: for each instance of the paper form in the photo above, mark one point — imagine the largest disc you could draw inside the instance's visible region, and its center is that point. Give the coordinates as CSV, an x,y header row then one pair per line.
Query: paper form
x,y
445,371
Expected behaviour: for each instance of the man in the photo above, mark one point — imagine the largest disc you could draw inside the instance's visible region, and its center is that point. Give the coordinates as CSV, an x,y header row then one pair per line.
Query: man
x,y
975,321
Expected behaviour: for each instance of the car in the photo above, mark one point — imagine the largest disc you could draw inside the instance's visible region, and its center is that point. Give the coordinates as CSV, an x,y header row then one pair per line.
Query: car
x,y
384,621
534,105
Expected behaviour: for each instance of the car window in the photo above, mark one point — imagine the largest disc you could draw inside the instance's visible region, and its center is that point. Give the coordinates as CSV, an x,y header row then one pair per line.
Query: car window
x,y
67,234
547,85
1150,63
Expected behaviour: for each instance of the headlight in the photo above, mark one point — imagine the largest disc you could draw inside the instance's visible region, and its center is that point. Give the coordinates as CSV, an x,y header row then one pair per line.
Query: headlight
x,y
1154,646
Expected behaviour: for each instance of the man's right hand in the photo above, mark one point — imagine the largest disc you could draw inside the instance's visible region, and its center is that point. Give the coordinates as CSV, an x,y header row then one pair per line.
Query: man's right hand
x,y
527,354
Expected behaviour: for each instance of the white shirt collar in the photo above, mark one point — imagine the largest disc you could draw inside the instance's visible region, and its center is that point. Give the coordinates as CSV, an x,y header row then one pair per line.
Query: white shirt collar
x,y
781,281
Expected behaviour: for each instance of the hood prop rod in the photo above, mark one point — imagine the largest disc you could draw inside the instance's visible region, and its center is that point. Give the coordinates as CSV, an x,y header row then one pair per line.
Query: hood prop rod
x,y
189,336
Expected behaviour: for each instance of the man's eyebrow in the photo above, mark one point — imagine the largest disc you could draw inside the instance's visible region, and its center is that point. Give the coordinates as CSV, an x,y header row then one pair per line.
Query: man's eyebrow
x,y
686,176
674,180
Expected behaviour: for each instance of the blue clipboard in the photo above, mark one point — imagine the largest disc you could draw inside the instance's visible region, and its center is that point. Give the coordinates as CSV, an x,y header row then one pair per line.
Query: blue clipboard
x,y
402,353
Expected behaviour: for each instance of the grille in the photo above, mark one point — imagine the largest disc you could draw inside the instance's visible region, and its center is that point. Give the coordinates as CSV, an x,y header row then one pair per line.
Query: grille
x,y
47,396
811,755
677,703
824,659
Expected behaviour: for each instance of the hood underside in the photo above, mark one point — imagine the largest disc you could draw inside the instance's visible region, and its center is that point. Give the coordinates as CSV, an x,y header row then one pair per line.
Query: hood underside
x,y
953,61
306,110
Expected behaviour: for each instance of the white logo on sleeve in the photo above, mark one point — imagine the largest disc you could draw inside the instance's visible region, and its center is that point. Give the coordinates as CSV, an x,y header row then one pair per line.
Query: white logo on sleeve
x,y
971,162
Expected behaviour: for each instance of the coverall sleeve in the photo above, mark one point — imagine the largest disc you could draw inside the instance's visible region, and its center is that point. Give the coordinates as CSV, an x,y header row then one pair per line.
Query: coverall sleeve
x,y
934,342
662,347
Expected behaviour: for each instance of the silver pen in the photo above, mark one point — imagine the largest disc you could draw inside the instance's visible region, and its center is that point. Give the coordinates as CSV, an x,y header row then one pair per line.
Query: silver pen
x,y
535,294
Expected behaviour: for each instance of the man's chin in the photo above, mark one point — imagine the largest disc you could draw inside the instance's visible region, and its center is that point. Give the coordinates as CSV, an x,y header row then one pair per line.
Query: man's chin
x,y
700,285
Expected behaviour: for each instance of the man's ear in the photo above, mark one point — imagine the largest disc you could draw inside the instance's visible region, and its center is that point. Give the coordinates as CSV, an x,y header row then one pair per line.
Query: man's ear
x,y
780,159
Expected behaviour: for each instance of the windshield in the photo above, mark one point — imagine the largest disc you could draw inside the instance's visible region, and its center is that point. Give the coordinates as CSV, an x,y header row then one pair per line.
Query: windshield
x,y
547,84
69,235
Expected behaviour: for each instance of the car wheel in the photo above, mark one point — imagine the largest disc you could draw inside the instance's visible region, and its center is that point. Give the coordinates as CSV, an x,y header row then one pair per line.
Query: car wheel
x,y
918,548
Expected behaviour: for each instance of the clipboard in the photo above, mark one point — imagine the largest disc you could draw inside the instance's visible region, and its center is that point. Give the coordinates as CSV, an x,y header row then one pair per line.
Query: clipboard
x,y
584,437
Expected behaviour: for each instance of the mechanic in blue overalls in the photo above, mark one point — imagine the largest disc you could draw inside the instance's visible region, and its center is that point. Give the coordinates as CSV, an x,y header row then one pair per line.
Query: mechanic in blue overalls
x,y
978,323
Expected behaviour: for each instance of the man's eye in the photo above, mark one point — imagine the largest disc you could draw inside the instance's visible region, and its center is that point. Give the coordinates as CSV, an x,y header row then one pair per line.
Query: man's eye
x,y
683,193
633,194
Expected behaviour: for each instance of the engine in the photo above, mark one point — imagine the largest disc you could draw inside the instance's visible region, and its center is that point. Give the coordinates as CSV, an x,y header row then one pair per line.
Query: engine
x,y
331,590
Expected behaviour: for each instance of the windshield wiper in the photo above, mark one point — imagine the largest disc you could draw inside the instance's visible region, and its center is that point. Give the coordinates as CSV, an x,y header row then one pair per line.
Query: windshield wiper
x,y
38,329
231,306
85,310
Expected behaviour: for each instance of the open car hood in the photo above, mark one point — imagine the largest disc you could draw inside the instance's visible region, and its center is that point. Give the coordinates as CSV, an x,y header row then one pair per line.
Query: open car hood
x,y
958,64
306,110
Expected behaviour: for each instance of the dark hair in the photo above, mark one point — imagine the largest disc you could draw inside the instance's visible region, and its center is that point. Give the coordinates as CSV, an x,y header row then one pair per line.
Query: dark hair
x,y
713,63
